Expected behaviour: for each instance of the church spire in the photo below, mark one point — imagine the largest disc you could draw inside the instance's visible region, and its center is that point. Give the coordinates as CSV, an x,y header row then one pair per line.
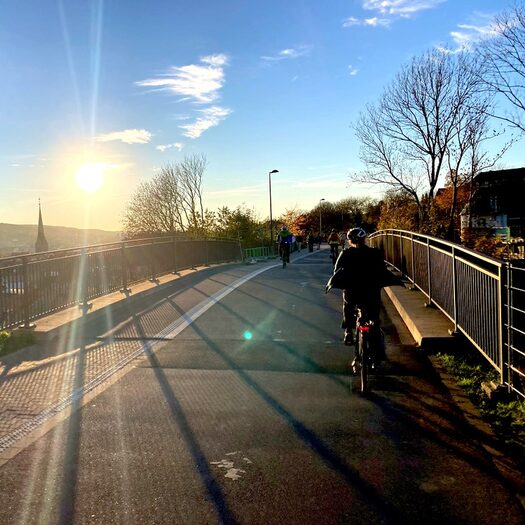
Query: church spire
x,y
41,242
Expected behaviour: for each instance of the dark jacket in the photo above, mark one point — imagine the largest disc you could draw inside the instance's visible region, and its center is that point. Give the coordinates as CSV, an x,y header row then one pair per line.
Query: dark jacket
x,y
364,270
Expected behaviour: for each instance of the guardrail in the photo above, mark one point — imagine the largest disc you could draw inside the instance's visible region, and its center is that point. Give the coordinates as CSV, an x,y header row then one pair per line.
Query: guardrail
x,y
484,297
261,252
32,286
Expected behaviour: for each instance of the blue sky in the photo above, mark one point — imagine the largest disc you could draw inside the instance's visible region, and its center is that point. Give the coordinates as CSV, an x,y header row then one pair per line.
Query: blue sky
x,y
130,85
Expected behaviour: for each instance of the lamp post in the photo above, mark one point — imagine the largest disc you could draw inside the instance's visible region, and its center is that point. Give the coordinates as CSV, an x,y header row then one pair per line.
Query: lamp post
x,y
320,223
271,221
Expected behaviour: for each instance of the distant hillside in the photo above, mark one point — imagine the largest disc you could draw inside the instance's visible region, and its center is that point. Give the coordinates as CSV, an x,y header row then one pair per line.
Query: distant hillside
x,y
20,238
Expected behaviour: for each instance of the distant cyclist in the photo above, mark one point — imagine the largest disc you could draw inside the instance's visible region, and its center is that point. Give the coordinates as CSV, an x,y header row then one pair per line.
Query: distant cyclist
x,y
284,238
364,274
333,242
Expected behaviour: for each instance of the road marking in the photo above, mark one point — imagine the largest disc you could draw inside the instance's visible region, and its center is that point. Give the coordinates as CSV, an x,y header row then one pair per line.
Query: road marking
x,y
170,332
232,472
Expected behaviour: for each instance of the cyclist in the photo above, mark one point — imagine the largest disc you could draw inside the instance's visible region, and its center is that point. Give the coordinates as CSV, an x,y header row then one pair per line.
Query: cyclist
x,y
333,241
364,274
284,238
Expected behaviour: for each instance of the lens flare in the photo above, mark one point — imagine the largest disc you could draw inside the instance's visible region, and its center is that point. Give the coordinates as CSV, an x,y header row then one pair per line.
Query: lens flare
x,y
248,335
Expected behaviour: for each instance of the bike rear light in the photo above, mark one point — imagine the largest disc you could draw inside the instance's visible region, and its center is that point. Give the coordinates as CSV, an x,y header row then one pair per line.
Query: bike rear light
x,y
364,328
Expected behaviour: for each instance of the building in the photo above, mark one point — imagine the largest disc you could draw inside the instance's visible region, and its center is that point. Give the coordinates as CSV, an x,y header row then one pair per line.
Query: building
x,y
41,241
497,206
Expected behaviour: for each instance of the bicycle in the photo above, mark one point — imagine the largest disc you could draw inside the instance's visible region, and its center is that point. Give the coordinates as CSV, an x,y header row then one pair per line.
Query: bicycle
x,y
334,253
285,253
366,341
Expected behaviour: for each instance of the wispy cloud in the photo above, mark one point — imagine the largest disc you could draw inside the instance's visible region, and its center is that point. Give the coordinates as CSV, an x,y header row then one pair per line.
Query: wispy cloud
x,y
198,82
289,53
371,22
404,8
209,118
390,10
128,136
468,35
352,71
176,145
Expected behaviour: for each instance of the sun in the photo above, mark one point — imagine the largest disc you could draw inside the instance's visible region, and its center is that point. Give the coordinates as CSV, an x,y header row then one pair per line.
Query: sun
x,y
90,176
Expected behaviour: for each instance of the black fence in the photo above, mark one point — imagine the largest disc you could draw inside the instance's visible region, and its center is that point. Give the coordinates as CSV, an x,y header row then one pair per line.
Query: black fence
x,y
484,297
33,286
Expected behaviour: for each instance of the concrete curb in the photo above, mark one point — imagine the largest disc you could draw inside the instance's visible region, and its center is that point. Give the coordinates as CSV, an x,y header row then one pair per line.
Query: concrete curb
x,y
428,325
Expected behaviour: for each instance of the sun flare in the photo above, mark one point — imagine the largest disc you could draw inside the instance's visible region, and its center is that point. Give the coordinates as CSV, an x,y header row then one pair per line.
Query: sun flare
x,y
90,177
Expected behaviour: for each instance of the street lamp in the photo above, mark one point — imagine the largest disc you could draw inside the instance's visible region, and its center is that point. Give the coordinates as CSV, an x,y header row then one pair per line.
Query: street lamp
x,y
320,223
271,222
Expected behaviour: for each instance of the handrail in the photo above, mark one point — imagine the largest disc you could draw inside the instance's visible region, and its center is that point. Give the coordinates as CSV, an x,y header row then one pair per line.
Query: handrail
x,y
473,290
35,285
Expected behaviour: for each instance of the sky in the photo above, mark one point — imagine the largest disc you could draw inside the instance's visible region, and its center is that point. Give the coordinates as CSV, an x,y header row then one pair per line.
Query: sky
x,y
97,95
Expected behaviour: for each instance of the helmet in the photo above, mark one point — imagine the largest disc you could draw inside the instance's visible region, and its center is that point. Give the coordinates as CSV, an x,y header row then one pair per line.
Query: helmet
x,y
283,227
333,230
356,235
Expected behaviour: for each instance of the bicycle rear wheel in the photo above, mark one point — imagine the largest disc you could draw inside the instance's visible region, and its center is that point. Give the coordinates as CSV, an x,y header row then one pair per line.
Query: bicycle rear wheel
x,y
363,353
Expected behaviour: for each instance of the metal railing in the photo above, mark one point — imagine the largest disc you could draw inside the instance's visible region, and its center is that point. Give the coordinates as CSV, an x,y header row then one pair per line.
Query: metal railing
x,y
33,286
261,252
484,297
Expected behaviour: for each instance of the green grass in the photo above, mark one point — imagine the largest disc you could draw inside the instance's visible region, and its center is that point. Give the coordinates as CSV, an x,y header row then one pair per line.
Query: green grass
x,y
506,417
13,341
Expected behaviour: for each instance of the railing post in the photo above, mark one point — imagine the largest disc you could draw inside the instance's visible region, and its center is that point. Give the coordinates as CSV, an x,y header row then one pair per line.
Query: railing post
x,y
175,272
429,273
403,265
503,372
84,305
27,296
207,262
413,261
509,326
153,269
454,292
124,269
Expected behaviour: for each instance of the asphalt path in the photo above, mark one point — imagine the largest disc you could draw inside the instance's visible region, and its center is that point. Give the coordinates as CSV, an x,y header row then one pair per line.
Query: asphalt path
x,y
237,406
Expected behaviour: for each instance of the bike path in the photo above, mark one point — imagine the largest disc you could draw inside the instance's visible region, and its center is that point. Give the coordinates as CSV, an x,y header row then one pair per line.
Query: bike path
x,y
248,415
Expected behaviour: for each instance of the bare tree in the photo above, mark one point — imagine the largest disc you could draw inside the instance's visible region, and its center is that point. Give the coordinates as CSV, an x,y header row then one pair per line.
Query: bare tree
x,y
190,172
504,59
408,137
170,202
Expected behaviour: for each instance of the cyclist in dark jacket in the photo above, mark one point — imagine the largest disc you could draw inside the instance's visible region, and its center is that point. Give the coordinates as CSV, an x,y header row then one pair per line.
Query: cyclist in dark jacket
x,y
364,275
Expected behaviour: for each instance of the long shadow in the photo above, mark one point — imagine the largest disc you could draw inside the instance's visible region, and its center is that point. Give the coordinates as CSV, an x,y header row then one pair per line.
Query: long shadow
x,y
273,306
68,490
402,387
211,485
311,364
65,345
401,411
387,512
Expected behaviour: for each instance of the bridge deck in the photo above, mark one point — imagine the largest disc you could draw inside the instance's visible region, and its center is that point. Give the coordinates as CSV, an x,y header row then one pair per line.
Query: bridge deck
x,y
225,397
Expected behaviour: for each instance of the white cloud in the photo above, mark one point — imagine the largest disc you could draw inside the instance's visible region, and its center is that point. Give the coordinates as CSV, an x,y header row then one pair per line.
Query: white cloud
x,y
199,82
404,8
211,117
471,34
128,136
389,11
289,53
352,71
176,145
